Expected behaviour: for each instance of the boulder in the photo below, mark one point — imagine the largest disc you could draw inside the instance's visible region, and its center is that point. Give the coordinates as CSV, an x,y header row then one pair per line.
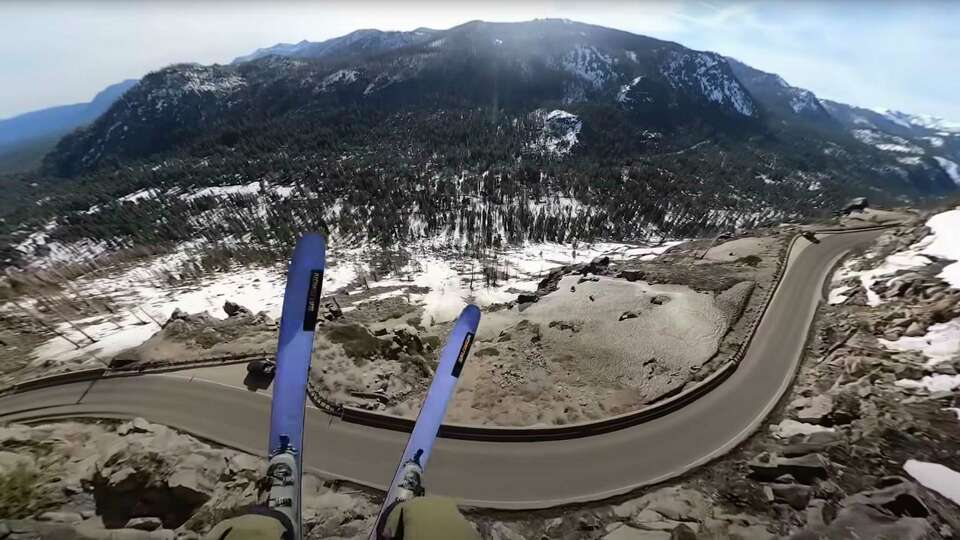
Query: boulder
x,y
144,523
678,504
945,310
527,298
628,315
814,409
597,264
683,532
813,442
805,469
232,309
899,499
660,300
862,521
795,495
915,330
60,517
177,315
633,275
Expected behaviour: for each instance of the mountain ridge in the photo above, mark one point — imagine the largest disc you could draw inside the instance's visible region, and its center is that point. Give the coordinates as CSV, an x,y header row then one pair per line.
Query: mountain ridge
x,y
36,132
466,134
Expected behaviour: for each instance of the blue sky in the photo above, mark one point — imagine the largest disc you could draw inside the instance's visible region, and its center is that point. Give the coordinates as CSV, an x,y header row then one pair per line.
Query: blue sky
x,y
889,54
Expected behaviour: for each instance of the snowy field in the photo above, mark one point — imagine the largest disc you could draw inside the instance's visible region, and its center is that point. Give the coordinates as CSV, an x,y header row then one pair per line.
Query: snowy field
x,y
451,283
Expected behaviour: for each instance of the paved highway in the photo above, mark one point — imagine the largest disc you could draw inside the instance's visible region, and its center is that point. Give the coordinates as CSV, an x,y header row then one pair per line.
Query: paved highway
x,y
511,475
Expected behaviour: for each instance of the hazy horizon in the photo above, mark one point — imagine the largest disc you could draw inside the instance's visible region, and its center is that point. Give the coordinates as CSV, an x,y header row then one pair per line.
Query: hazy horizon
x,y
871,54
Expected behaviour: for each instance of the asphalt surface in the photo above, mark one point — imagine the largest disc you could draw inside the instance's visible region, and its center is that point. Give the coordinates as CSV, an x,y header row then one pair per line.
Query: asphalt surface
x,y
512,475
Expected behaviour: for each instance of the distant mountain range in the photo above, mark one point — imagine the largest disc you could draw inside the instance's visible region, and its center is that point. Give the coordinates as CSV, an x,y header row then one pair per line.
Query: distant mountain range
x,y
25,138
366,41
435,131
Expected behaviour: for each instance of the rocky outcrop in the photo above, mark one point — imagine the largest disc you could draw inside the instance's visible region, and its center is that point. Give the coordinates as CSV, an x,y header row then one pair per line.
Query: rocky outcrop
x,y
138,480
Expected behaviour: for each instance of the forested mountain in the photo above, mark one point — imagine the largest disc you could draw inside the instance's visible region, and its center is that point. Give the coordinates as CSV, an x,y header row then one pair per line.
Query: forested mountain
x,y
25,138
484,133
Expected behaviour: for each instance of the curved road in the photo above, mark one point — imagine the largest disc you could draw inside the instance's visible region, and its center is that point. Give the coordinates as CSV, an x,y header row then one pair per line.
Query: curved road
x,y
513,475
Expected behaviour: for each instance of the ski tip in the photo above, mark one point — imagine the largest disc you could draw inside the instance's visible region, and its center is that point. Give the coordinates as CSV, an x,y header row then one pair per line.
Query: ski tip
x,y
470,316
313,241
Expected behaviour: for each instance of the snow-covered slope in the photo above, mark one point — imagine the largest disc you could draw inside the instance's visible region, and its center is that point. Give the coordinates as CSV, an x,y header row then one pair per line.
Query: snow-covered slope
x,y
558,134
932,123
707,75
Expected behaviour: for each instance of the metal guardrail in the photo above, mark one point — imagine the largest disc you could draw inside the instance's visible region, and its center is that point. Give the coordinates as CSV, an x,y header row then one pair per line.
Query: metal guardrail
x,y
586,429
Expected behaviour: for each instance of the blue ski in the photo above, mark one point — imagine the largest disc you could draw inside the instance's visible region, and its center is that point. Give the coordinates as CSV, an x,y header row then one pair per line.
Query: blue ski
x,y
407,480
301,305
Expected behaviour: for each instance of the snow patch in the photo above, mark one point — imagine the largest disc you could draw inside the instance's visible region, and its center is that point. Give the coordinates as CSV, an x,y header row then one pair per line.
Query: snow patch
x,y
936,477
837,295
217,191
143,194
920,120
901,148
940,344
932,383
949,167
912,160
804,100
623,95
340,77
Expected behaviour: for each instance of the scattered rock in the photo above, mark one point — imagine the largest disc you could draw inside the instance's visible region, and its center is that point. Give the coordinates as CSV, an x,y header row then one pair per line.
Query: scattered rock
x,y
678,504
499,531
861,521
814,409
683,532
232,309
177,315
597,264
144,523
61,517
589,523
629,533
137,425
817,441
